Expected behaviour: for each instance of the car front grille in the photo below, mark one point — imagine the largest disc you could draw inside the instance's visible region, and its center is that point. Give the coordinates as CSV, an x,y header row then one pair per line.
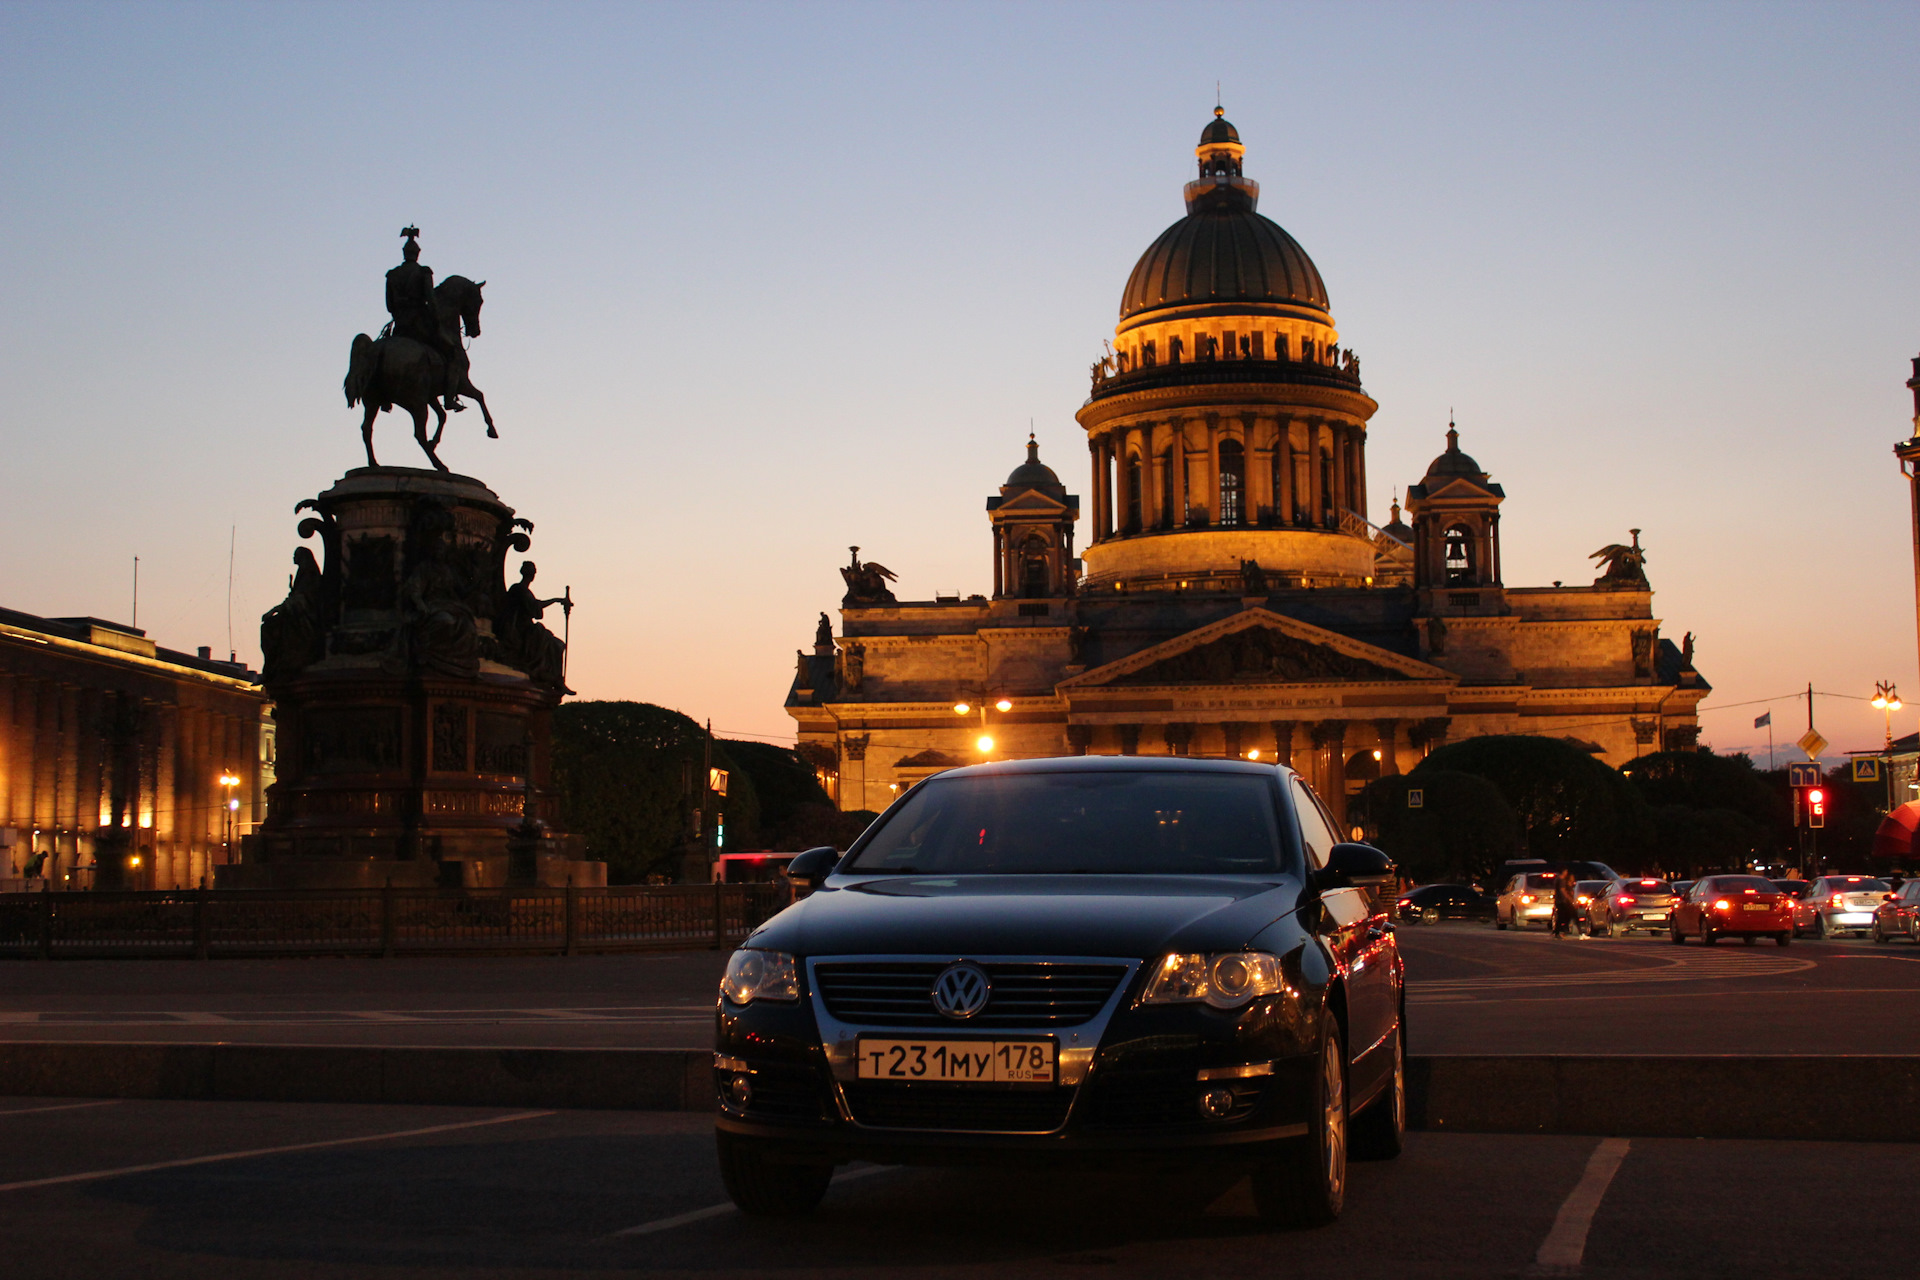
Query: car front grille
x,y
969,1108
1025,994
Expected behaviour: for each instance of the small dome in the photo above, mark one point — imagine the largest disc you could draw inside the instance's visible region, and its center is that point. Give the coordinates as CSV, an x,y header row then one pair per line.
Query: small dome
x,y
1453,462
1033,473
1218,129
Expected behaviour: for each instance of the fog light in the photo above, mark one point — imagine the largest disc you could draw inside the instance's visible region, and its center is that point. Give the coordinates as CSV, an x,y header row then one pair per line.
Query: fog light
x,y
740,1092
1215,1103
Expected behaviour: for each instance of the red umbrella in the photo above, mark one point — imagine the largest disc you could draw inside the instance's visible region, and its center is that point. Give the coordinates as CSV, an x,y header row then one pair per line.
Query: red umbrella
x,y
1894,839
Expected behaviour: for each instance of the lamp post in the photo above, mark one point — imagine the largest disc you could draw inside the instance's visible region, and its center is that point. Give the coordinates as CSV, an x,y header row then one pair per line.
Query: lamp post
x,y
229,813
984,743
1887,699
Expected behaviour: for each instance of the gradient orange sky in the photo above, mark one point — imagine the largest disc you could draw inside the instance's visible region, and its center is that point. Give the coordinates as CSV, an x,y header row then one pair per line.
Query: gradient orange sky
x,y
766,281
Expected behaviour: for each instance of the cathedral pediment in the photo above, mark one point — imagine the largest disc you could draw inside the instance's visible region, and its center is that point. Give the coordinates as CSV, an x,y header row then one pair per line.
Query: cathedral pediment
x,y
1258,647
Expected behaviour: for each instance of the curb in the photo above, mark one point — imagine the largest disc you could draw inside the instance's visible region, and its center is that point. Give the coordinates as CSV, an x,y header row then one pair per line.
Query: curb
x,y
1661,1097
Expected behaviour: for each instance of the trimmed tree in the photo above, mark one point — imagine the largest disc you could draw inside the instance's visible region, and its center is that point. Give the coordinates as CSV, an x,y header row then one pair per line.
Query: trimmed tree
x,y
1462,830
1571,807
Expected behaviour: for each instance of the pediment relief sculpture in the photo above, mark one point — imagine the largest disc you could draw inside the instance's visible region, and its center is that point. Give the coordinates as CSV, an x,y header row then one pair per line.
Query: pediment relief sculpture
x,y
1258,655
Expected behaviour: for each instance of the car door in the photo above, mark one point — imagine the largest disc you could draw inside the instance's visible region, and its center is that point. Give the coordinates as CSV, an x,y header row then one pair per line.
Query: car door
x,y
1358,939
1684,918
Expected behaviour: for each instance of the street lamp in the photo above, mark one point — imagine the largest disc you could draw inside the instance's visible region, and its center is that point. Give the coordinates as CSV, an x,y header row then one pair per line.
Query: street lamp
x,y
229,813
1887,700
984,743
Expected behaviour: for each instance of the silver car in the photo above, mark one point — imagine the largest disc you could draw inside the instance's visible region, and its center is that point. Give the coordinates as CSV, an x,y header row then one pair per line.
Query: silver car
x,y
1631,903
1526,900
1835,906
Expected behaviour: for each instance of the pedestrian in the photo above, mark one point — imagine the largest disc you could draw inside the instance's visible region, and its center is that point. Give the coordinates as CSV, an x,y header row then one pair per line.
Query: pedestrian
x,y
1563,904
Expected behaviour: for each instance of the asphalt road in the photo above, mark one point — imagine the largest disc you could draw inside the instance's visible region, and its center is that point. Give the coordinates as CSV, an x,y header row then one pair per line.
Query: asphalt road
x,y
1471,990
183,1189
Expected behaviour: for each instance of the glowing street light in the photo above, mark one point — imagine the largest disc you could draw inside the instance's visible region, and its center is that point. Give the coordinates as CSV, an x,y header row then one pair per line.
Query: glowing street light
x,y
1003,705
985,744
961,708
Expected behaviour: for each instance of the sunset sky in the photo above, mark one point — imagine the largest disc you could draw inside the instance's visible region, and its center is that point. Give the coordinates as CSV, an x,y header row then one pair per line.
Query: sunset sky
x,y
764,281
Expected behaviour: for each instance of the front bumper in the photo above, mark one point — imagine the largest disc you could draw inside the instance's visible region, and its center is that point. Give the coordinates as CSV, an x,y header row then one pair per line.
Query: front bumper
x,y
1136,1089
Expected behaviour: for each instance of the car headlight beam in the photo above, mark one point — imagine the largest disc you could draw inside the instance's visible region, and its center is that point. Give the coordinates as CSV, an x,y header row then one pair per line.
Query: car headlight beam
x,y
1225,981
753,974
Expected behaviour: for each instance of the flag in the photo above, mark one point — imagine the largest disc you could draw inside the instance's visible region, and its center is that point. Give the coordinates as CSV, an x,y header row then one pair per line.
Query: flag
x,y
1763,721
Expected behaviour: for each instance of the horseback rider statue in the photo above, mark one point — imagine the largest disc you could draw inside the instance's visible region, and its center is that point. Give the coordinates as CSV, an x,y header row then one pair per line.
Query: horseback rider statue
x,y
410,303
419,362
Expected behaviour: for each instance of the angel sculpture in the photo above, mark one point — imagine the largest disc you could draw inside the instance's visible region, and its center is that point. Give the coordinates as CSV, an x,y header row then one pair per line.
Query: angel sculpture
x,y
867,583
1621,564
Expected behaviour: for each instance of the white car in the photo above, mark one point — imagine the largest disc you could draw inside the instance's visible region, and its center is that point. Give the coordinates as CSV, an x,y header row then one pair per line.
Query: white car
x,y
1834,906
1526,900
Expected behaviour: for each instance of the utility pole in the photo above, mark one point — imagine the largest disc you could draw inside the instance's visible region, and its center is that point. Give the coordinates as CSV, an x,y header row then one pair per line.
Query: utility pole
x,y
706,797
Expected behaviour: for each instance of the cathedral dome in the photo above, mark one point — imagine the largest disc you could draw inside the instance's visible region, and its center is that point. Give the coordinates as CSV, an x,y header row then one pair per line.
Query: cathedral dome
x,y
1222,251
1453,462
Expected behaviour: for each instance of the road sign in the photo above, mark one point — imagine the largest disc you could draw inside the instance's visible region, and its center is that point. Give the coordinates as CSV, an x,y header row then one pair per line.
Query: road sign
x,y
1813,744
1416,798
1866,771
1803,775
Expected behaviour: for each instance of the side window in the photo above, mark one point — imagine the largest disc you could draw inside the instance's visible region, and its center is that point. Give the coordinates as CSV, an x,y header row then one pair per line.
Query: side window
x,y
1315,835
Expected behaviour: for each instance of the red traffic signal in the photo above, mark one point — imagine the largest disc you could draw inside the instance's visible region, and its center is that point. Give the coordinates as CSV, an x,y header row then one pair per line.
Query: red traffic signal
x,y
1816,807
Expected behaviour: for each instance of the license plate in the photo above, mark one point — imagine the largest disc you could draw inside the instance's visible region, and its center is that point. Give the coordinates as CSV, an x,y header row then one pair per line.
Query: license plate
x,y
958,1061
1755,906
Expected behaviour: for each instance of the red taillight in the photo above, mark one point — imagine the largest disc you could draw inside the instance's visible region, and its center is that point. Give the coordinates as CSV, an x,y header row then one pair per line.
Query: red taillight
x,y
1721,904
1625,899
1583,899
1837,900
1526,897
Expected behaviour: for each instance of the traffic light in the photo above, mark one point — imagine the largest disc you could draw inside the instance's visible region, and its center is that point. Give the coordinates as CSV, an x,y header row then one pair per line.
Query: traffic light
x,y
1816,807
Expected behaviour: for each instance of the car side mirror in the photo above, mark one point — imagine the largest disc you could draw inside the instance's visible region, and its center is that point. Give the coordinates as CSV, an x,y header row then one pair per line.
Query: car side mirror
x,y
1354,865
810,869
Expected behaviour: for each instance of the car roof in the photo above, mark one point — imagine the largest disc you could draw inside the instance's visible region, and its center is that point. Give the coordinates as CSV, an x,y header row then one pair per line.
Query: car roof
x,y
1115,764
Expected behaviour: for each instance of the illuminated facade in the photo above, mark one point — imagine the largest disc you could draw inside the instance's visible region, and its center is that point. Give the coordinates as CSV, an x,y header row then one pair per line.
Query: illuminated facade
x,y
114,756
1234,598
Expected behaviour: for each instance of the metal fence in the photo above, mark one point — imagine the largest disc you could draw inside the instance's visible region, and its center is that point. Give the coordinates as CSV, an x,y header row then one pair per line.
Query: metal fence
x,y
255,922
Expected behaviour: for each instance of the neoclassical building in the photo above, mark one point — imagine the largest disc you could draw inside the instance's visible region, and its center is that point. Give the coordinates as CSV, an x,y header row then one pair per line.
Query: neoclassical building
x,y
1234,598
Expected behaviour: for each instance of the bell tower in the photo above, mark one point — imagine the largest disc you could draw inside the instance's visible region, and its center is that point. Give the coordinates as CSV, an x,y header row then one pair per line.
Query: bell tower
x,y
1455,511
1032,520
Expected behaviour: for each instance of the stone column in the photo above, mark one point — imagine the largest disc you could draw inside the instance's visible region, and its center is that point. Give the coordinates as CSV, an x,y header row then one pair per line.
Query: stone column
x,y
1493,542
9,757
1337,445
1215,509
1122,484
1179,739
1153,500
1360,469
1230,734
999,560
1283,463
1283,742
66,805
1177,459
1103,487
1129,739
1331,737
1389,746
1079,738
1199,482
1316,504
166,798
1260,471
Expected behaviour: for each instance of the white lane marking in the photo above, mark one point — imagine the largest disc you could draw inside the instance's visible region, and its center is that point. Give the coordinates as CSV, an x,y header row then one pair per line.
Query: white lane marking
x,y
1566,1244
97,1175
722,1210
64,1106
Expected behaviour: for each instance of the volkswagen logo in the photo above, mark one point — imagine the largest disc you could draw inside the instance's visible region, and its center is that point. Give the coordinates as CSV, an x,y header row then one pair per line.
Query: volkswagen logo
x,y
961,990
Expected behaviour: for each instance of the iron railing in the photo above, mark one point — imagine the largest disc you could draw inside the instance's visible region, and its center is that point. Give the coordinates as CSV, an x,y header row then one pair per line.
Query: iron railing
x,y
257,922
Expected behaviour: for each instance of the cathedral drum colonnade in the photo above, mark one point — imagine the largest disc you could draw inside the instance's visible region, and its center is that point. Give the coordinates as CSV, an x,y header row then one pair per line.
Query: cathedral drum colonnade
x,y
1234,597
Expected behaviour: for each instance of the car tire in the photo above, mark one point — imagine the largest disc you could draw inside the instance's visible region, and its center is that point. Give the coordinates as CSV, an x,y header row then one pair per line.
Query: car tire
x,y
1305,1184
1708,938
764,1188
1820,929
1879,936
1679,939
1430,915
1783,939
1379,1132
1498,923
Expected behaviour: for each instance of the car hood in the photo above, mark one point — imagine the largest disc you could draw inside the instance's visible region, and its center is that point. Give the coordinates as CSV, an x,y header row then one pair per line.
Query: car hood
x,y
1080,915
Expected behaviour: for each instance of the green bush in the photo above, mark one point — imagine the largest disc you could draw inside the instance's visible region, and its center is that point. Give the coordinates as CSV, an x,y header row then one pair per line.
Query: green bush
x,y
1571,807
1462,831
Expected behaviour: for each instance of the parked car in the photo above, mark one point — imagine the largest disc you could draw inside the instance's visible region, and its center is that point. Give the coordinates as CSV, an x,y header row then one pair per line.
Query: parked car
x,y
1628,904
1526,899
1899,915
1432,903
1834,906
1101,959
1744,907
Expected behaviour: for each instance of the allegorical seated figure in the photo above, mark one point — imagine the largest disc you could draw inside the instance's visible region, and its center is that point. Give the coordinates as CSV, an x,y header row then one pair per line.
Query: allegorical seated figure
x,y
523,638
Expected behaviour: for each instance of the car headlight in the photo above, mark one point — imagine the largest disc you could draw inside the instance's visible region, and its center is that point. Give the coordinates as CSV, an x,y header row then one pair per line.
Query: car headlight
x,y
760,975
1223,981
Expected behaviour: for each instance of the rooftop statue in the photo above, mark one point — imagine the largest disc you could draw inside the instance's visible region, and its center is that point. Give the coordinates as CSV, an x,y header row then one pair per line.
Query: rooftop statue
x,y
419,361
867,583
1621,566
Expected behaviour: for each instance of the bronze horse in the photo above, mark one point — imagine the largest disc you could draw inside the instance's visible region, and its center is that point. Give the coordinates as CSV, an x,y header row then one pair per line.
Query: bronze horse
x,y
411,374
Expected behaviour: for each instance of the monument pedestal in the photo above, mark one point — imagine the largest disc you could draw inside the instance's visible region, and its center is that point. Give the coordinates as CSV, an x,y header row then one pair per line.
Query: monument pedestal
x,y
413,696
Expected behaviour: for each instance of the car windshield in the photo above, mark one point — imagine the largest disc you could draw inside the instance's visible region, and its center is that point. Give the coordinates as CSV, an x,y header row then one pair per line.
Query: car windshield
x,y
1854,884
1742,884
1104,821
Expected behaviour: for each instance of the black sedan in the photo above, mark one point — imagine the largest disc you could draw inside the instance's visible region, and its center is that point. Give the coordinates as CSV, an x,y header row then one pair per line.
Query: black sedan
x,y
1432,903
1084,960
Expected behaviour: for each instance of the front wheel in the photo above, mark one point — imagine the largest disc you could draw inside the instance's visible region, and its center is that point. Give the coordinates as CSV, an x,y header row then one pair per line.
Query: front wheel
x,y
1784,939
1430,915
764,1188
1380,1131
1879,936
1306,1184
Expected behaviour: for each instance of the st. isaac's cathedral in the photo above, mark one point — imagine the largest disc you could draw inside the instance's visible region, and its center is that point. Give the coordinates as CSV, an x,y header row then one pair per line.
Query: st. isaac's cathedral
x,y
1234,598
